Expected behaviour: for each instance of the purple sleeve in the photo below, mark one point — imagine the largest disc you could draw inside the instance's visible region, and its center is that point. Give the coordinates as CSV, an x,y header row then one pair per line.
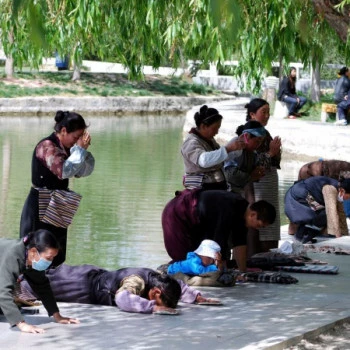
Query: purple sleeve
x,y
188,294
129,302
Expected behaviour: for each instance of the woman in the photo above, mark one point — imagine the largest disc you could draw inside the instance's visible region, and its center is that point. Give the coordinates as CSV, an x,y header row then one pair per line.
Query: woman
x,y
341,95
287,94
314,204
221,216
269,157
29,257
131,289
241,166
203,156
56,158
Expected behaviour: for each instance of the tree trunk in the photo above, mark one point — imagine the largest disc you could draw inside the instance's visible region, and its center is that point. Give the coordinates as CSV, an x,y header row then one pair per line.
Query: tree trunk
x,y
76,71
9,67
315,83
9,64
280,68
339,21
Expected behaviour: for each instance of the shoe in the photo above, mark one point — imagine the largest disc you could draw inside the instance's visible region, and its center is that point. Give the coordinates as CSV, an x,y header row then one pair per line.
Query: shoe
x,y
297,114
341,122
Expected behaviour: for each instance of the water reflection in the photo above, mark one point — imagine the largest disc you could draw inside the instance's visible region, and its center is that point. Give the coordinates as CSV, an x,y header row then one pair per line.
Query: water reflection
x,y
138,168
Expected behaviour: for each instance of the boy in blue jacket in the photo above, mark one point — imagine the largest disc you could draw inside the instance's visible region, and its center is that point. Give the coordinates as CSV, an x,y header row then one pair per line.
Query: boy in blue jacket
x,y
206,258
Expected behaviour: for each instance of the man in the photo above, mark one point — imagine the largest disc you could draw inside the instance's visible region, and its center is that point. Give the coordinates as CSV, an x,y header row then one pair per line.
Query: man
x,y
195,215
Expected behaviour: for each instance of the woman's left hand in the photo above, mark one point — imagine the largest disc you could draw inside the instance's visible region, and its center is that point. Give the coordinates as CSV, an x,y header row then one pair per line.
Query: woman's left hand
x,y
275,146
84,140
64,320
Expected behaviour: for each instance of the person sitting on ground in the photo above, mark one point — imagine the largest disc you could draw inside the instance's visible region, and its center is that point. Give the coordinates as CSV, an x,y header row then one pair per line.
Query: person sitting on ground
x,y
139,290
287,93
313,205
206,258
341,95
194,215
28,259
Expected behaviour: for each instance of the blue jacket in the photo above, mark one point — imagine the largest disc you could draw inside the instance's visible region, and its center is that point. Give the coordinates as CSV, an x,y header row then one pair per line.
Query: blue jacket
x,y
191,266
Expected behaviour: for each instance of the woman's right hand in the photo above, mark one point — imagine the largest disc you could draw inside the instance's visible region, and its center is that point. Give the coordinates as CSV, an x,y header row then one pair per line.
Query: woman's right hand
x,y
28,328
84,140
235,144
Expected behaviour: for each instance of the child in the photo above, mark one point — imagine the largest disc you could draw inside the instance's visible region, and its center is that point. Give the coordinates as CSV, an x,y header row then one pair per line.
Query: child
x,y
206,258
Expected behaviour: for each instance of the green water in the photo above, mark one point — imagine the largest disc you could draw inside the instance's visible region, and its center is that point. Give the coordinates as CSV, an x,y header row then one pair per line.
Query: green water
x,y
138,168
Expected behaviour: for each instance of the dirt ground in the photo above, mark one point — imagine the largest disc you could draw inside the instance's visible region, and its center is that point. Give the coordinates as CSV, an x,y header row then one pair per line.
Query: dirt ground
x,y
337,338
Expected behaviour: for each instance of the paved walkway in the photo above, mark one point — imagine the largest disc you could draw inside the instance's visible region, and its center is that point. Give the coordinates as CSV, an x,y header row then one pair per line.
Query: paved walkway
x,y
254,316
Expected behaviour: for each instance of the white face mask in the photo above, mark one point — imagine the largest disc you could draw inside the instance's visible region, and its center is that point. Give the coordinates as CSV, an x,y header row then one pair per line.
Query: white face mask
x,y
340,198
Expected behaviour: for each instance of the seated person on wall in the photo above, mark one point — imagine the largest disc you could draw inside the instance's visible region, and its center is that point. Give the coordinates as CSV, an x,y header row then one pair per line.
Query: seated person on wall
x,y
287,93
140,290
341,95
315,203
221,216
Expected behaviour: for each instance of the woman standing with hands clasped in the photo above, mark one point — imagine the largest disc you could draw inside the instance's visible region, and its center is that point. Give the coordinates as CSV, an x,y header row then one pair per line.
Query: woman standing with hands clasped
x,y
28,258
203,156
269,157
62,155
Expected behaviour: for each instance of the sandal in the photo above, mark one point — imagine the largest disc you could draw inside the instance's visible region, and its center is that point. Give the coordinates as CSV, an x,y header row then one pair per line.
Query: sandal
x,y
292,117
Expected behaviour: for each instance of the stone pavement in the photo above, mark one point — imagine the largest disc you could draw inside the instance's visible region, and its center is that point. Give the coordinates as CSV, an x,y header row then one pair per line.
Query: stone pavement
x,y
254,316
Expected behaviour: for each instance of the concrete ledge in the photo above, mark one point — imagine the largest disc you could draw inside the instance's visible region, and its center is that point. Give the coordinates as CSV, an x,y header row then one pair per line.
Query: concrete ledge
x,y
103,106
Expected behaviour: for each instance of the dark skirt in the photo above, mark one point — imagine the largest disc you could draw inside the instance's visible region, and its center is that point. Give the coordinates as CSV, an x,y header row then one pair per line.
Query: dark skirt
x,y
30,222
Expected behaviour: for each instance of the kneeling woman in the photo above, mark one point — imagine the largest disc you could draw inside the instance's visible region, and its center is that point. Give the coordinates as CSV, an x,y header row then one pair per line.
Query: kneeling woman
x,y
29,256
140,290
315,203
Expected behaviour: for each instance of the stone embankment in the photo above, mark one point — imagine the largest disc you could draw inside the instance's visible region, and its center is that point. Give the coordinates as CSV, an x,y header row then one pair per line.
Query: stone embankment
x,y
102,106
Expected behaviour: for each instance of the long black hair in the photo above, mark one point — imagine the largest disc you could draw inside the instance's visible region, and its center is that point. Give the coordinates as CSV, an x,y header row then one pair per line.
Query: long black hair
x,y
254,105
41,240
207,116
70,120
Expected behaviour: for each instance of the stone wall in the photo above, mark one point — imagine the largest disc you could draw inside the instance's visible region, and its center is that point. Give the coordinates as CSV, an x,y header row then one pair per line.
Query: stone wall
x,y
104,106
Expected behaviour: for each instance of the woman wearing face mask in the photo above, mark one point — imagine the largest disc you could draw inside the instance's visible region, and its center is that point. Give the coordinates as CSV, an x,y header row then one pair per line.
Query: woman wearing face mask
x,y
316,203
28,258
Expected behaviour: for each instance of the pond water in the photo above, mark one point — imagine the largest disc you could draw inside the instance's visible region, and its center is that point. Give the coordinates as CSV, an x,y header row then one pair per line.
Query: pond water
x,y
138,169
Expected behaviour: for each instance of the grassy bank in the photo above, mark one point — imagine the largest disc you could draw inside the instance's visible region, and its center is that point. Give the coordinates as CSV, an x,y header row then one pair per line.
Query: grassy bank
x,y
112,84
97,84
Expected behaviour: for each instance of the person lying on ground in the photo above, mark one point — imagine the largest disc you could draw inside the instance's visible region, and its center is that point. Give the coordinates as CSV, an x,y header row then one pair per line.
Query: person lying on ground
x,y
140,290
